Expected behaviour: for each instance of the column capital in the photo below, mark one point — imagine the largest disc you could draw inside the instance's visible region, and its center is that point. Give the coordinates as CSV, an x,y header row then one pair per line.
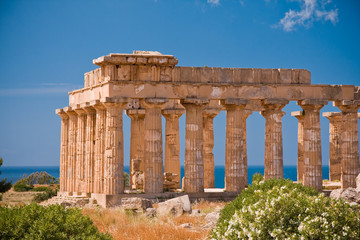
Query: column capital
x,y
210,112
298,114
135,113
153,102
194,101
61,113
347,106
70,111
235,103
79,110
114,102
312,104
333,116
273,104
173,112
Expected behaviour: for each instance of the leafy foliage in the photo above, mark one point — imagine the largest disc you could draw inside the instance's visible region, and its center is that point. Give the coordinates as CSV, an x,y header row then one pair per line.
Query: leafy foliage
x,y
47,193
4,185
281,209
39,178
22,187
52,222
126,179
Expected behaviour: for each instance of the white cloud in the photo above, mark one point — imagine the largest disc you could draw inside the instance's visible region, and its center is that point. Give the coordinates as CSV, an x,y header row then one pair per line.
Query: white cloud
x,y
311,10
214,2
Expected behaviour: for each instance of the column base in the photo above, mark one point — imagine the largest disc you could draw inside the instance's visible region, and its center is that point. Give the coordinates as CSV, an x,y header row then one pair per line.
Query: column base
x,y
64,194
106,200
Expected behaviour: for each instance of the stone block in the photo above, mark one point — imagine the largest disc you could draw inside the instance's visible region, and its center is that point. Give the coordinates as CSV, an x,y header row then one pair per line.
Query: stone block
x,y
136,204
175,206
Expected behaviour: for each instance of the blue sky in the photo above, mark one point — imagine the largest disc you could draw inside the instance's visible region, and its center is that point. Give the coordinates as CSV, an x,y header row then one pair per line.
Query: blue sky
x,y
47,46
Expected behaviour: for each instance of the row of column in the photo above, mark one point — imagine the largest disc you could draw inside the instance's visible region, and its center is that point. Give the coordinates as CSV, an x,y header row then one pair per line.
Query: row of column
x,y
92,144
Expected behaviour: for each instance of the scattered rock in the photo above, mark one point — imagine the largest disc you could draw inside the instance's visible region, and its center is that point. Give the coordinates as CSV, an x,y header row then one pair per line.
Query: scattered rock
x,y
150,212
136,204
348,194
175,206
137,180
195,213
212,219
186,225
65,204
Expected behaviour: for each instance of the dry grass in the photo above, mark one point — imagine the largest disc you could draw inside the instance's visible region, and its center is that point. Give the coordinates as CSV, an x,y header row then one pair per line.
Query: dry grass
x,y
122,225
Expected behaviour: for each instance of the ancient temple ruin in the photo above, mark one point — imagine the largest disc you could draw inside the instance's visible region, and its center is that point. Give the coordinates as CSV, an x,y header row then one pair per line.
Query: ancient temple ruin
x,y
148,85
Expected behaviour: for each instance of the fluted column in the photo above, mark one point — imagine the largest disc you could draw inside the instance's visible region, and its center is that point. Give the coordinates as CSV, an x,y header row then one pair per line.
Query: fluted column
x,y
194,167
335,119
99,148
274,166
312,143
235,153
80,151
71,170
90,149
208,138
153,153
63,149
172,143
114,149
349,142
300,160
136,141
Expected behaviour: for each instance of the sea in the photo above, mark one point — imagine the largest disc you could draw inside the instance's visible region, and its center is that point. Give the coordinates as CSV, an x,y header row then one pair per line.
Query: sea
x,y
13,174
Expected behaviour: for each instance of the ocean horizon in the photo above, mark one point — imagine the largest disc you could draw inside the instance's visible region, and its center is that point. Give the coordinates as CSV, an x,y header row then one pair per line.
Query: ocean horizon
x,y
14,173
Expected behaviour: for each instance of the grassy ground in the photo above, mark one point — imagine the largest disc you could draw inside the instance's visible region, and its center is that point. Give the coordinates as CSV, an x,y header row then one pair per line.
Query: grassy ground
x,y
122,225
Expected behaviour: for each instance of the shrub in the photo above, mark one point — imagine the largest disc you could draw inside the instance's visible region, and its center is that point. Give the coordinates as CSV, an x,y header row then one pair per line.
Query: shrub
x,y
281,209
52,222
39,178
22,187
47,193
4,186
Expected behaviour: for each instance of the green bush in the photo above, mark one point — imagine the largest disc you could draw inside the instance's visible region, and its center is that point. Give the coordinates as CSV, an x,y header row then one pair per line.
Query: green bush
x,y
45,195
4,185
22,187
52,222
281,209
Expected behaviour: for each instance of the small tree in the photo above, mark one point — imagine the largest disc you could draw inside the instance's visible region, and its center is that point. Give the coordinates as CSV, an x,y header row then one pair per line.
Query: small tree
x,y
4,186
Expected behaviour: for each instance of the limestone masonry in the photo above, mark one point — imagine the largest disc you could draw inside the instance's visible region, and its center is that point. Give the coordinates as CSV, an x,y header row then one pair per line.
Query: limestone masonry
x,y
148,85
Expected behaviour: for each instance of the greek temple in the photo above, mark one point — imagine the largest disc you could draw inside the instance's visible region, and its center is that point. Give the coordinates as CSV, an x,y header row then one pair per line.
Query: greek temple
x,y
148,85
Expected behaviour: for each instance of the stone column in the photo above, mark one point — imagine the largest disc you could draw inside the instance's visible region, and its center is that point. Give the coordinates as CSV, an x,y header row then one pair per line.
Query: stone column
x,y
99,148
335,119
114,149
194,168
208,138
80,151
300,162
273,137
71,170
90,149
349,142
172,143
153,153
136,141
63,149
312,142
235,155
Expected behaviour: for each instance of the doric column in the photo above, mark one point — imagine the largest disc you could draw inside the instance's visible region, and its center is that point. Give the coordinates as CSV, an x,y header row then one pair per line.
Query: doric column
x,y
80,150
273,137
349,142
89,149
300,161
208,138
71,170
194,168
247,113
312,142
172,143
99,148
63,149
136,141
235,153
335,119
114,148
153,153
